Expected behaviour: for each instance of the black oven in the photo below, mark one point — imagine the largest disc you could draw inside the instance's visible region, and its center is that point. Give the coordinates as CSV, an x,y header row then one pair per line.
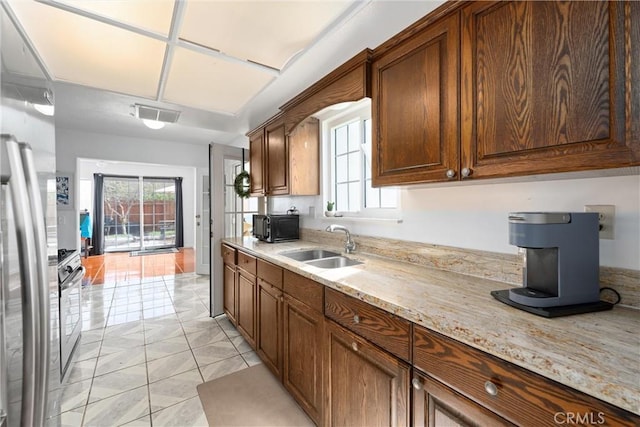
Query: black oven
x,y
276,228
70,274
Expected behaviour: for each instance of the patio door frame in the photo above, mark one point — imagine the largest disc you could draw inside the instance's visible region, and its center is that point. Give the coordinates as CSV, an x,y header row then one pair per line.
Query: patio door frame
x,y
141,180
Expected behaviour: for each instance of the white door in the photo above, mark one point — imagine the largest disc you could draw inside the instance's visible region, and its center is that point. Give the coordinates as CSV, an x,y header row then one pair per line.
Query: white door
x,y
203,221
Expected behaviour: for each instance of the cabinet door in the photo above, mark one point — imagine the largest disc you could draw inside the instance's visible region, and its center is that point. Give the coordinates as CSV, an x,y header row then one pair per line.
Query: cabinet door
x,y
245,314
303,332
277,160
543,87
269,319
363,384
415,107
229,275
256,165
437,405
304,158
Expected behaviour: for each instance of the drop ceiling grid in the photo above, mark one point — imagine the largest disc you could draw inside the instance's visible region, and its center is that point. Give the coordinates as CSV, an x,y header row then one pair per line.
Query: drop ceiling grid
x,y
266,32
210,83
150,15
83,51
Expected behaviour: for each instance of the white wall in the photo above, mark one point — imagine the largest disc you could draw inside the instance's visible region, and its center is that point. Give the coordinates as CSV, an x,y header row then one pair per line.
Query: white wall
x,y
72,145
474,215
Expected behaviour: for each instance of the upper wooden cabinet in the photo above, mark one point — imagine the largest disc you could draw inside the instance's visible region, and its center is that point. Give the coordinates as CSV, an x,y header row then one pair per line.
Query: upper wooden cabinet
x,y
283,163
285,151
415,107
546,87
541,87
256,160
277,164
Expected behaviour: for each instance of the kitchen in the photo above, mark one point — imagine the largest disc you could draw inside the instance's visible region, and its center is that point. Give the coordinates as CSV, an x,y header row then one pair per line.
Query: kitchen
x,y
467,216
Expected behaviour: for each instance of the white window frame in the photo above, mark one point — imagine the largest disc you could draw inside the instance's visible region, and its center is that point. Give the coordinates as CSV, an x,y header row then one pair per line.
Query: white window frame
x,y
330,120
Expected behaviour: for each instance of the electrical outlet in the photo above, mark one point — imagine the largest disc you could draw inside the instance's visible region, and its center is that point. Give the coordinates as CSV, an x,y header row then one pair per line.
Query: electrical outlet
x,y
606,215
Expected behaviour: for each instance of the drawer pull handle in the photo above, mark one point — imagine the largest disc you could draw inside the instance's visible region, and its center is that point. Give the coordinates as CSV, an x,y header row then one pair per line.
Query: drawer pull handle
x,y
491,388
416,384
354,346
356,319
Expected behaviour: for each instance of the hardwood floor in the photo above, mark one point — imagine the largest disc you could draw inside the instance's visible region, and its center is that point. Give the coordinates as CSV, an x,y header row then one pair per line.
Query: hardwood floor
x,y
120,266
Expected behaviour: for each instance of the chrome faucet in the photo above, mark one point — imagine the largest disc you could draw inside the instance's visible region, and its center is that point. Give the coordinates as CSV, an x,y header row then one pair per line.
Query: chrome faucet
x,y
350,245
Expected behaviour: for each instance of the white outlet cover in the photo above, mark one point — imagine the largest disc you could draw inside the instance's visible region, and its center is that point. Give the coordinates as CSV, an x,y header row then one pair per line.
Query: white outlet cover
x,y
607,217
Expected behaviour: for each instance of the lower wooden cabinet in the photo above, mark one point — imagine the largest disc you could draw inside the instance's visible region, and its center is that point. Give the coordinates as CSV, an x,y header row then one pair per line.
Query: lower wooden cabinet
x,y
229,301
246,299
269,324
364,385
434,405
302,373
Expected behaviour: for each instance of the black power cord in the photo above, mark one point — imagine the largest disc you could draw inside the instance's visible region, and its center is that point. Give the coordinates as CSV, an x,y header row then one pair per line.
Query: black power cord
x,y
617,301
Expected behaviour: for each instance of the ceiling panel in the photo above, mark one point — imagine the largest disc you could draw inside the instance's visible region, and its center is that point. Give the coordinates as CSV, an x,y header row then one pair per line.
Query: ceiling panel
x,y
211,83
267,32
15,56
87,52
150,15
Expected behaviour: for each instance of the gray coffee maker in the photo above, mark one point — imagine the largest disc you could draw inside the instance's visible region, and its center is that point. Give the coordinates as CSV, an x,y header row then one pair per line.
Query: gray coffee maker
x,y
561,263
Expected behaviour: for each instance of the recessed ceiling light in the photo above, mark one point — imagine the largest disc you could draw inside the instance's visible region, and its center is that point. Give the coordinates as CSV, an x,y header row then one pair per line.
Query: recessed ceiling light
x,y
46,109
153,124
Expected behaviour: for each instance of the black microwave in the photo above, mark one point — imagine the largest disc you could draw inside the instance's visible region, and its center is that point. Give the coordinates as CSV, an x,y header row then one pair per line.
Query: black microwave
x,y
276,228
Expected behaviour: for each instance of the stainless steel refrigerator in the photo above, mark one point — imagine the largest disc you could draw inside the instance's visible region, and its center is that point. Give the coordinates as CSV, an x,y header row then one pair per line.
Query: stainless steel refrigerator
x,y
29,295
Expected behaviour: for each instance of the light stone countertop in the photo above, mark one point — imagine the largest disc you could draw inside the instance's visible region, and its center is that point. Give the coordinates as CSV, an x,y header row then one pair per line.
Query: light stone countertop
x,y
596,353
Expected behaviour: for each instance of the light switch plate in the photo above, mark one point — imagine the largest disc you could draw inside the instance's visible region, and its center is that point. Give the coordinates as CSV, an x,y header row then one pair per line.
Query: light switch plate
x,y
606,215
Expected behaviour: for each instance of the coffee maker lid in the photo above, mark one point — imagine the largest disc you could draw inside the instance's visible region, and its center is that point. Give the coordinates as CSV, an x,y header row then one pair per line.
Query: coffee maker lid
x,y
540,217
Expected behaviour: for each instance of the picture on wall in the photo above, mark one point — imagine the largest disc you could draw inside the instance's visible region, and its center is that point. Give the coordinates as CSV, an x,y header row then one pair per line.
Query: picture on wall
x,y
63,191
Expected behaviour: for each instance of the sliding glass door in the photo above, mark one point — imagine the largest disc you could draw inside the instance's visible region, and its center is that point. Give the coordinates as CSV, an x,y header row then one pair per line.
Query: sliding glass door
x,y
139,213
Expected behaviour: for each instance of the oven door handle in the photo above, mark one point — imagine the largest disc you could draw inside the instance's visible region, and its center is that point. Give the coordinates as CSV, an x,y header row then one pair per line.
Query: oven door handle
x,y
27,251
73,279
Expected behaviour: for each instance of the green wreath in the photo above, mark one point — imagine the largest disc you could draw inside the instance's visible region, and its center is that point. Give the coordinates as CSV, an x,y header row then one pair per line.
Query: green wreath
x,y
241,184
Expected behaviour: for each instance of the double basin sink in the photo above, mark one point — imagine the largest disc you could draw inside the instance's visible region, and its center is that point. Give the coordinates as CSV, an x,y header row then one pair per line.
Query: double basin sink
x,y
321,258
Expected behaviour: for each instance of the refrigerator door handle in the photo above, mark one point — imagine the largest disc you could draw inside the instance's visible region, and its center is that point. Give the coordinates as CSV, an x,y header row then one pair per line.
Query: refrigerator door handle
x,y
40,237
29,277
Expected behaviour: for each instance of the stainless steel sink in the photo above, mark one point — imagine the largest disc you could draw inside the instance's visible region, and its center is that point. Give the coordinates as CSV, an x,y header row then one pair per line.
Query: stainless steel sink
x,y
333,262
321,258
311,254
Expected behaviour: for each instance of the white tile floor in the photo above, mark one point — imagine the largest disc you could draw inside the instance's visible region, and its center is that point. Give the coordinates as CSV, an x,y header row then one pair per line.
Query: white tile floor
x,y
145,347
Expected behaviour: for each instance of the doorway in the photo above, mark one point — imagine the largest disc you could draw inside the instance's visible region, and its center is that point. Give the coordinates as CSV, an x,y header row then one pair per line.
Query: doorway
x,y
139,213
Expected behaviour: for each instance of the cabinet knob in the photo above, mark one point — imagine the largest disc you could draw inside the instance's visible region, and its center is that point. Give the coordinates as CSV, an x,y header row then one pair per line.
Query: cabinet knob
x,y
466,172
281,298
416,384
491,388
356,319
354,346
450,173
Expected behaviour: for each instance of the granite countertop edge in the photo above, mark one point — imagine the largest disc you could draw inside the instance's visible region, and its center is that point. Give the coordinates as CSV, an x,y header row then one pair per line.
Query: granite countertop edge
x,y
595,353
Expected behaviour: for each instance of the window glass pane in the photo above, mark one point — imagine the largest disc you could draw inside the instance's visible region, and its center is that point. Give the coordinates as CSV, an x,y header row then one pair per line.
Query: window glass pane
x,y
372,196
341,140
342,197
341,168
354,136
354,166
388,197
354,196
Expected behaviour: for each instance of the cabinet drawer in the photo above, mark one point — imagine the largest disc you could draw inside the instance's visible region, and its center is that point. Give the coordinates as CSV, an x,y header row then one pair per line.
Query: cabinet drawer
x,y
378,326
270,273
516,394
247,262
304,290
228,254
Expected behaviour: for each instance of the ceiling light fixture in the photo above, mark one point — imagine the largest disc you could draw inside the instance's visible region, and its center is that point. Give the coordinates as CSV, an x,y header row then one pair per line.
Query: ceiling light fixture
x,y
46,109
153,124
155,118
